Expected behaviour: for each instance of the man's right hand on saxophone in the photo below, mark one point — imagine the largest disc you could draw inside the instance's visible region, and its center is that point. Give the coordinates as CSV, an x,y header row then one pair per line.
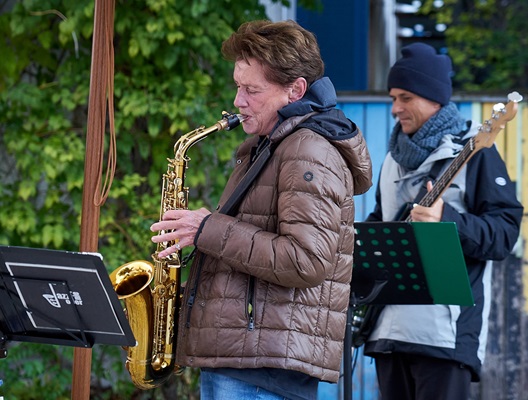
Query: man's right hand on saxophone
x,y
179,226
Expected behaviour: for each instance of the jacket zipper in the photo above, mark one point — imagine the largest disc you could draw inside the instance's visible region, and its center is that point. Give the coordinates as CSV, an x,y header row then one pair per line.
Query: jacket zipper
x,y
192,293
250,304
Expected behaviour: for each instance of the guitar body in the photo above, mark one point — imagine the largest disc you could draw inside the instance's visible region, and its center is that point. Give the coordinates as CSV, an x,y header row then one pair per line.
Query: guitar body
x,y
365,316
364,319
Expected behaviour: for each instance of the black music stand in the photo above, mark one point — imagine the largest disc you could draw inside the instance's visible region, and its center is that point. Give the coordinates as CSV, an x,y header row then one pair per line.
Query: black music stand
x,y
58,297
404,263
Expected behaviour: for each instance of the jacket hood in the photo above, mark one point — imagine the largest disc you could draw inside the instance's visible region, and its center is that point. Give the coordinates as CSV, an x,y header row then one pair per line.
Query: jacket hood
x,y
328,121
316,111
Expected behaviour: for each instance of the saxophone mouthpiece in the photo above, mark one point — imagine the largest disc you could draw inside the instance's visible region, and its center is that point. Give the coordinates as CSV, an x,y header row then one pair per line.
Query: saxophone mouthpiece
x,y
233,120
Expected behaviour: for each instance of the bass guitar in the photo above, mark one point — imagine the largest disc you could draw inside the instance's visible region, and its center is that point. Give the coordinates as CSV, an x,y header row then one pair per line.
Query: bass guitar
x,y
364,313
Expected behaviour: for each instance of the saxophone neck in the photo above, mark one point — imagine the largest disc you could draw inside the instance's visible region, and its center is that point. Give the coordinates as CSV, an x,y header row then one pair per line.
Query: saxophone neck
x,y
229,121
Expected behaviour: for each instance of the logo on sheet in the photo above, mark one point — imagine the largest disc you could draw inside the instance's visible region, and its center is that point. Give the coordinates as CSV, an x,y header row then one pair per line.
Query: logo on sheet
x,y
55,299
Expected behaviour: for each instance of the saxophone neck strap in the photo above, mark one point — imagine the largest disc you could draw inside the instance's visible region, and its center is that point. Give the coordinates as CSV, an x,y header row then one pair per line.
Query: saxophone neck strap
x,y
263,155
231,205
229,208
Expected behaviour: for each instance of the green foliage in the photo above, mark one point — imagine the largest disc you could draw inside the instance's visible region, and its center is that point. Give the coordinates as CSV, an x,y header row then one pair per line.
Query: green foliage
x,y
170,78
485,39
34,371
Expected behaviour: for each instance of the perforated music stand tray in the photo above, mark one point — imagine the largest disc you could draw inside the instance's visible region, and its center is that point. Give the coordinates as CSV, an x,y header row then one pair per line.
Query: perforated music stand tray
x,y
409,263
59,297
404,263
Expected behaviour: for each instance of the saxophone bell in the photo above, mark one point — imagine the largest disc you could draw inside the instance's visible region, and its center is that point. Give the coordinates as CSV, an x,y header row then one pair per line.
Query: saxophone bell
x,y
131,278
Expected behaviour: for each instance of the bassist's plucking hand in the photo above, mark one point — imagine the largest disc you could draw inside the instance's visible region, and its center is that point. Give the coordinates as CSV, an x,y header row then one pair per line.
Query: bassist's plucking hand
x,y
428,214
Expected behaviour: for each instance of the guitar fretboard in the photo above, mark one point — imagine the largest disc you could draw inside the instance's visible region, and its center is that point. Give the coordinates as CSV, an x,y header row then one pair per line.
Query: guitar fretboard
x,y
447,177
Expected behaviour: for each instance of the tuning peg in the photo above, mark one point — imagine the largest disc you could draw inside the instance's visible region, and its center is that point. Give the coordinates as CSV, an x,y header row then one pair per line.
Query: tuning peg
x,y
498,107
515,97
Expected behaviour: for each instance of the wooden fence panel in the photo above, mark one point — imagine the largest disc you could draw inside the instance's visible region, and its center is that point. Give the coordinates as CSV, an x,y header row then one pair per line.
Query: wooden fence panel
x,y
505,369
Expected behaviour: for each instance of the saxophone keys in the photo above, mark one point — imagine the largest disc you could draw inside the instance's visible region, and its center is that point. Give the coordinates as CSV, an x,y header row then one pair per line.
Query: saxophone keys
x,y
157,363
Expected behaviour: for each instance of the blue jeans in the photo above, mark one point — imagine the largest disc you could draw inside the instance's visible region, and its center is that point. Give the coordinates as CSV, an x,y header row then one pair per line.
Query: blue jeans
x,y
215,386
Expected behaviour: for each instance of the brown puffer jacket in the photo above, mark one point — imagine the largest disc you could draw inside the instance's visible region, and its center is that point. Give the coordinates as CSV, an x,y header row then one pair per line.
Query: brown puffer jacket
x,y
272,283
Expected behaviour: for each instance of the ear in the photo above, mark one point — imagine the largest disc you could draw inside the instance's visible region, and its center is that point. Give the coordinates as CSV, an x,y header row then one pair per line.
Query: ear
x,y
297,89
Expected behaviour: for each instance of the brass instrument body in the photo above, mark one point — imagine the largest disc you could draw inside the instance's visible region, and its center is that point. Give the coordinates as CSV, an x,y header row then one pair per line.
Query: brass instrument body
x,y
151,291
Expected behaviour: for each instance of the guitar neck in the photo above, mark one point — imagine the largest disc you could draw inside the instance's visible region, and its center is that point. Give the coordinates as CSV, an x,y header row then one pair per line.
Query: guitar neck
x,y
447,177
442,183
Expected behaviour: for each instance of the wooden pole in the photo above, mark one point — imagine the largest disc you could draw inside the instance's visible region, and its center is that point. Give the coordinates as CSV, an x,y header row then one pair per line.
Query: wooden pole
x,y
100,76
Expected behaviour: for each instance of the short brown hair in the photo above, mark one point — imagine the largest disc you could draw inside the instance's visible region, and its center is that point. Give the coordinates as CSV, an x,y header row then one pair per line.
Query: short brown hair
x,y
285,49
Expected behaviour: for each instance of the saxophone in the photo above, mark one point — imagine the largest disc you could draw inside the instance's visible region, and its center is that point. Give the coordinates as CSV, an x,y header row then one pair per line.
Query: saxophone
x,y
152,291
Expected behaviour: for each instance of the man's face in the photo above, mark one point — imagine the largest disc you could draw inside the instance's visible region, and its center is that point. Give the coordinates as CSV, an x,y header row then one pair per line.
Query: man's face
x,y
412,110
257,98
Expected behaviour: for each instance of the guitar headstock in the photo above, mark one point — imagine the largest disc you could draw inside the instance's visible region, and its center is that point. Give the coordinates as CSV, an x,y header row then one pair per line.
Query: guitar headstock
x,y
500,115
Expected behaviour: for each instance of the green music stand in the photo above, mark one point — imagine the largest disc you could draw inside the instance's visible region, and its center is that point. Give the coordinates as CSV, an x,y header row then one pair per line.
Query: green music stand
x,y
404,263
413,262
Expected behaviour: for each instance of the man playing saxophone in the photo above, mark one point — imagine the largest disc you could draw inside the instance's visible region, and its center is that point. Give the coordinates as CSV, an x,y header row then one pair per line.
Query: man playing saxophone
x,y
265,305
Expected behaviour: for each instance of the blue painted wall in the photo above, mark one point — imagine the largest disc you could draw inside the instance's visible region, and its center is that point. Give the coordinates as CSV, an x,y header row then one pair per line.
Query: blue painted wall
x,y
342,32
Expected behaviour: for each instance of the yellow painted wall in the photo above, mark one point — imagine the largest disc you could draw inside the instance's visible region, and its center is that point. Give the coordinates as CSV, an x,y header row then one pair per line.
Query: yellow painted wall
x,y
523,149
512,144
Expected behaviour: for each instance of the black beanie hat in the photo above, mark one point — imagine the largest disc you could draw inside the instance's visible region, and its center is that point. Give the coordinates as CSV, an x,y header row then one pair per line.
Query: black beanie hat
x,y
423,72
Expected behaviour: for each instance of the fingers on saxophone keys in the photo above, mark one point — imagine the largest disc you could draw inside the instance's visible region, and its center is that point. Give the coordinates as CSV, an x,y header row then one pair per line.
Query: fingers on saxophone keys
x,y
164,236
162,227
158,239
168,251
155,227
164,253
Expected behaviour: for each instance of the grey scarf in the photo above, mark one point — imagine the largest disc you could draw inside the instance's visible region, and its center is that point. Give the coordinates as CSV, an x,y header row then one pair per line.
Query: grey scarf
x,y
410,152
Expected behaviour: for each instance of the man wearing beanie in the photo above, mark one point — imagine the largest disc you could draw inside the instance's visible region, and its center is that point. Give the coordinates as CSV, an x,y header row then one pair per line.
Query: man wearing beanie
x,y
425,352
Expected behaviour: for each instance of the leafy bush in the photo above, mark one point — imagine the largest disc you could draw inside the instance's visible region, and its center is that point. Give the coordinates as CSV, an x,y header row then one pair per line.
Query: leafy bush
x,y
169,79
484,38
